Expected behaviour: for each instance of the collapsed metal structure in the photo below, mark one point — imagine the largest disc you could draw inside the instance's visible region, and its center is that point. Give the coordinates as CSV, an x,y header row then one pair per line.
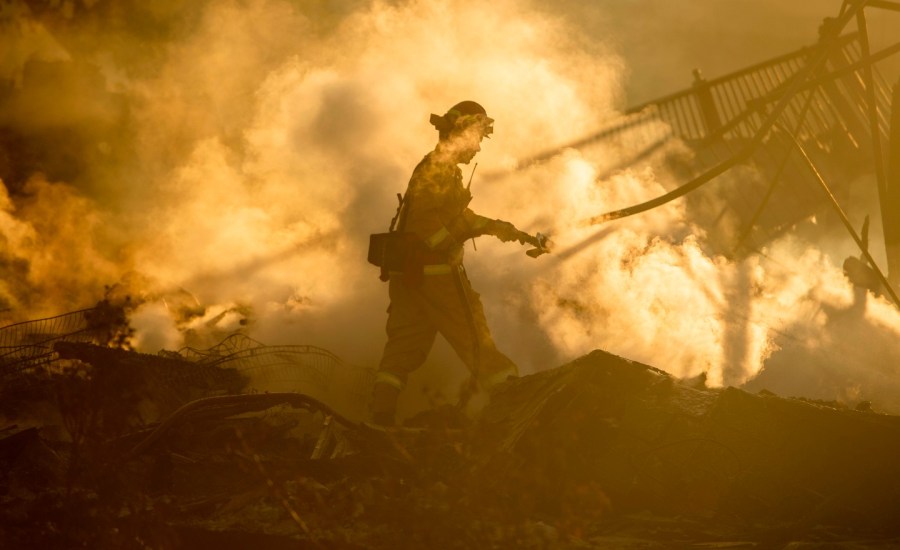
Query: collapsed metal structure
x,y
816,118
27,346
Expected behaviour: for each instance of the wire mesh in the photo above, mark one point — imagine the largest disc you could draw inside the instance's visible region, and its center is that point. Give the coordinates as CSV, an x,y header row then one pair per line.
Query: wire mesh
x,y
291,368
27,345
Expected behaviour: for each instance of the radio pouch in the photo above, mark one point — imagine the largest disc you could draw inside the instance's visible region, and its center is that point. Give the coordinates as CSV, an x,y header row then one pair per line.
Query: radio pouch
x,y
396,251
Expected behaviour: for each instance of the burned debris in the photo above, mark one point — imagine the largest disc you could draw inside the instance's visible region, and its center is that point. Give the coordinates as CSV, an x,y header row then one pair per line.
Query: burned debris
x,y
600,453
94,428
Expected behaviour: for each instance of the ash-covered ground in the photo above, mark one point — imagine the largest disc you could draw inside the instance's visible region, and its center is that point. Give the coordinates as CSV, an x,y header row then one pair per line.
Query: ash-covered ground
x,y
125,450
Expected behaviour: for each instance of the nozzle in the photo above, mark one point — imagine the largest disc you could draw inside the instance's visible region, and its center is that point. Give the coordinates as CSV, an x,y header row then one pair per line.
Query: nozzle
x,y
543,246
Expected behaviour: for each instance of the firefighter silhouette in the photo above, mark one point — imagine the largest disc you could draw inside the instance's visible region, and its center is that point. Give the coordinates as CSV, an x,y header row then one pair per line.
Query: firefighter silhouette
x,y
429,290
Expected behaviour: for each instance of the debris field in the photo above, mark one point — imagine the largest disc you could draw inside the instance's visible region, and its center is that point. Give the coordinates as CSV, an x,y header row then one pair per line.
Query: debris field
x,y
127,450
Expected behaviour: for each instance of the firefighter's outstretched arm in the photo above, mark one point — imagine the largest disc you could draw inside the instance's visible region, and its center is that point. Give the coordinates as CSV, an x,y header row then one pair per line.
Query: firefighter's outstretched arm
x,y
469,224
505,231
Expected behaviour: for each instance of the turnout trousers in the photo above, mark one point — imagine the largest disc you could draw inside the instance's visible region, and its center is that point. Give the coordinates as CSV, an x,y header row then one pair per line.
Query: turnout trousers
x,y
443,302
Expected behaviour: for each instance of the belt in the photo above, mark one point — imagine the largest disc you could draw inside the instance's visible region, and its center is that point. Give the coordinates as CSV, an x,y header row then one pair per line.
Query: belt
x,y
435,269
429,257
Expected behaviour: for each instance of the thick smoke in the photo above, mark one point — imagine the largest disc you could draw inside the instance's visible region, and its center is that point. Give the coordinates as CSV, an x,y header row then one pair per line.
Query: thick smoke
x,y
222,163
244,151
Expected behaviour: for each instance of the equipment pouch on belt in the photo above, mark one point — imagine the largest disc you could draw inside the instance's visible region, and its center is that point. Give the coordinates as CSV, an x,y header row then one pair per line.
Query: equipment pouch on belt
x,y
396,251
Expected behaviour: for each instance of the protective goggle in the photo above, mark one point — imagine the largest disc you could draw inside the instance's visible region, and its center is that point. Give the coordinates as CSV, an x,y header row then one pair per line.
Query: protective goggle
x,y
484,123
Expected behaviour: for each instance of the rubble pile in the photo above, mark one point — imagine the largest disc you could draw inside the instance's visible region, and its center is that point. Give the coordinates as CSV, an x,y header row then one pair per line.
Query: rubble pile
x,y
651,443
600,453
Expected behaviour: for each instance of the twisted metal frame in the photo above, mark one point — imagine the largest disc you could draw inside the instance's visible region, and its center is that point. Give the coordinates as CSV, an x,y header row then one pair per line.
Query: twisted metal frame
x,y
26,345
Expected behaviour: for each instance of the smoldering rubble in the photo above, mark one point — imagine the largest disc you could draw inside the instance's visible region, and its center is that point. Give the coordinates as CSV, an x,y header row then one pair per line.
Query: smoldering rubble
x,y
116,449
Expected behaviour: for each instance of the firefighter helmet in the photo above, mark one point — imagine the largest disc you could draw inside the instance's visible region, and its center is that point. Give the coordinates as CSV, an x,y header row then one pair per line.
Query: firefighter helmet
x,y
463,115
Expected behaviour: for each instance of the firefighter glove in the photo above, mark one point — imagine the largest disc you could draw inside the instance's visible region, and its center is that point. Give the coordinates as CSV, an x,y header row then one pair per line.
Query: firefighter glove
x,y
506,232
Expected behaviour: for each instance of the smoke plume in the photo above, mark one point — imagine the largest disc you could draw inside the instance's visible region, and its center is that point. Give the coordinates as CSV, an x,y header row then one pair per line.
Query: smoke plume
x,y
222,163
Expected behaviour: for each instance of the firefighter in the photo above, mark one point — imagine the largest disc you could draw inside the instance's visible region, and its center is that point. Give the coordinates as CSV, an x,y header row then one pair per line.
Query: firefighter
x,y
432,294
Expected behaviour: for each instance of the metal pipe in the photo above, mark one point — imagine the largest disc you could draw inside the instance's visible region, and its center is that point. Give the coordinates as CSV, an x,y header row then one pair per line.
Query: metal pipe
x,y
693,113
818,111
734,102
679,116
833,75
759,90
722,107
772,81
762,92
880,176
665,109
892,228
854,82
697,118
774,183
671,195
747,92
846,221
883,89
